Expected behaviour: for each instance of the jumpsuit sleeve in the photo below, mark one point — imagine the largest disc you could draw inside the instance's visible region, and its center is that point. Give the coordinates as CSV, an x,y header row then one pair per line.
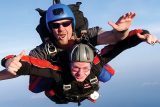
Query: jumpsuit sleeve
x,y
92,34
38,67
111,51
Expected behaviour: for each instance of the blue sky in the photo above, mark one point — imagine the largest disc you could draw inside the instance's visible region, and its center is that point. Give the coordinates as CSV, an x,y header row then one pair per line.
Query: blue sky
x,y
136,82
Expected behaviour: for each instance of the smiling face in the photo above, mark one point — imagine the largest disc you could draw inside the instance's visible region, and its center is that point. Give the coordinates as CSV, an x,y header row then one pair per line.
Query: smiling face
x,y
80,70
62,30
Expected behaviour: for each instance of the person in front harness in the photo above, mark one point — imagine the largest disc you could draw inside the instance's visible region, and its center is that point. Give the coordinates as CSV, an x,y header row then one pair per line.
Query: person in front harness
x,y
75,86
86,72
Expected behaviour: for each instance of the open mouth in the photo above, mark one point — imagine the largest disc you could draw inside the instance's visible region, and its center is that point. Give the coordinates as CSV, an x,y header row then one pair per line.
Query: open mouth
x,y
61,36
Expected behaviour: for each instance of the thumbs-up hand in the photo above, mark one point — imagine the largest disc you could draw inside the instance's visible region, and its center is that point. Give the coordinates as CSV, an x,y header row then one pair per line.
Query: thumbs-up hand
x,y
13,64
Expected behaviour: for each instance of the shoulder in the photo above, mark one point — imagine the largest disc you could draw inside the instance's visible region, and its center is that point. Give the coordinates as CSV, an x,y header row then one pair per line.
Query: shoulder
x,y
94,31
92,34
39,51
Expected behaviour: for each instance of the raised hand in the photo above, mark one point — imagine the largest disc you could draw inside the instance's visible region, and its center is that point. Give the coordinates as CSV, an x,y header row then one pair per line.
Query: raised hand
x,y
123,22
13,64
150,39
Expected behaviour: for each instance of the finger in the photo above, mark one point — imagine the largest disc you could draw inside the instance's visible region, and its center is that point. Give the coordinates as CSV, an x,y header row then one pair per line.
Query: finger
x,y
10,70
18,57
12,64
13,73
113,25
125,16
128,14
151,39
133,15
148,39
19,65
16,64
141,36
122,18
119,20
158,41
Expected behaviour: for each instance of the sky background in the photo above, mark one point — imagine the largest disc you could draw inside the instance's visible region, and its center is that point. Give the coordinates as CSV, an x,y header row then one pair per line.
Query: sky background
x,y
136,82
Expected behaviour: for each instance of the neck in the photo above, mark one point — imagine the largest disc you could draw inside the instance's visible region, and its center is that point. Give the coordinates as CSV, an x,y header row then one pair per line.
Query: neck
x,y
67,46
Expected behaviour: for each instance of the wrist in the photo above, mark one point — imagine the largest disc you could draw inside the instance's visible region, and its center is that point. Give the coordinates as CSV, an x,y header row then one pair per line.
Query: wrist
x,y
145,32
120,35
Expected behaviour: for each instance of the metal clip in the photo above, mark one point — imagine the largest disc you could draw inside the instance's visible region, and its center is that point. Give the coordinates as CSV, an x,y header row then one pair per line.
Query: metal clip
x,y
94,80
66,87
51,49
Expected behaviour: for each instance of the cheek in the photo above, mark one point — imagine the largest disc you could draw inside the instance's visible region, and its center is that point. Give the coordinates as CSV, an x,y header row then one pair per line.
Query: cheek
x,y
73,73
70,31
55,32
87,73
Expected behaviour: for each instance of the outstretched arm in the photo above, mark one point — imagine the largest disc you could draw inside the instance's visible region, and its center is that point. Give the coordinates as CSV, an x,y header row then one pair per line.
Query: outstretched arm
x,y
4,74
119,32
135,37
27,65
38,67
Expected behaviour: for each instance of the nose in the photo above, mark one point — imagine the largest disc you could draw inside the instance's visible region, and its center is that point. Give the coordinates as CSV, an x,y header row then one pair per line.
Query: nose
x,y
80,72
60,28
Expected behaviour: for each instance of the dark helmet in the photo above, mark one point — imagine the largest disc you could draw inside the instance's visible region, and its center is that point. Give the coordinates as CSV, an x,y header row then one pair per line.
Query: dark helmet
x,y
81,53
58,12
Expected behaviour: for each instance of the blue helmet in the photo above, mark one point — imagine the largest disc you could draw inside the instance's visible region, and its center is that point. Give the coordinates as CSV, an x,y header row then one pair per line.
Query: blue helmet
x,y
58,12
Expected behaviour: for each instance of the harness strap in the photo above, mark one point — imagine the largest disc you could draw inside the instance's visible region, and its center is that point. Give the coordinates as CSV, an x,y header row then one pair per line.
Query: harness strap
x,y
67,88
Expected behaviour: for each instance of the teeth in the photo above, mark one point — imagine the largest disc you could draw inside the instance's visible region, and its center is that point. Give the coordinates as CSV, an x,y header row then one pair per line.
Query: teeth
x,y
61,36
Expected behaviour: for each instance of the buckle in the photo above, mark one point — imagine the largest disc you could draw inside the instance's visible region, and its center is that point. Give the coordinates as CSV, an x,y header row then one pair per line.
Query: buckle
x,y
51,49
66,87
94,80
